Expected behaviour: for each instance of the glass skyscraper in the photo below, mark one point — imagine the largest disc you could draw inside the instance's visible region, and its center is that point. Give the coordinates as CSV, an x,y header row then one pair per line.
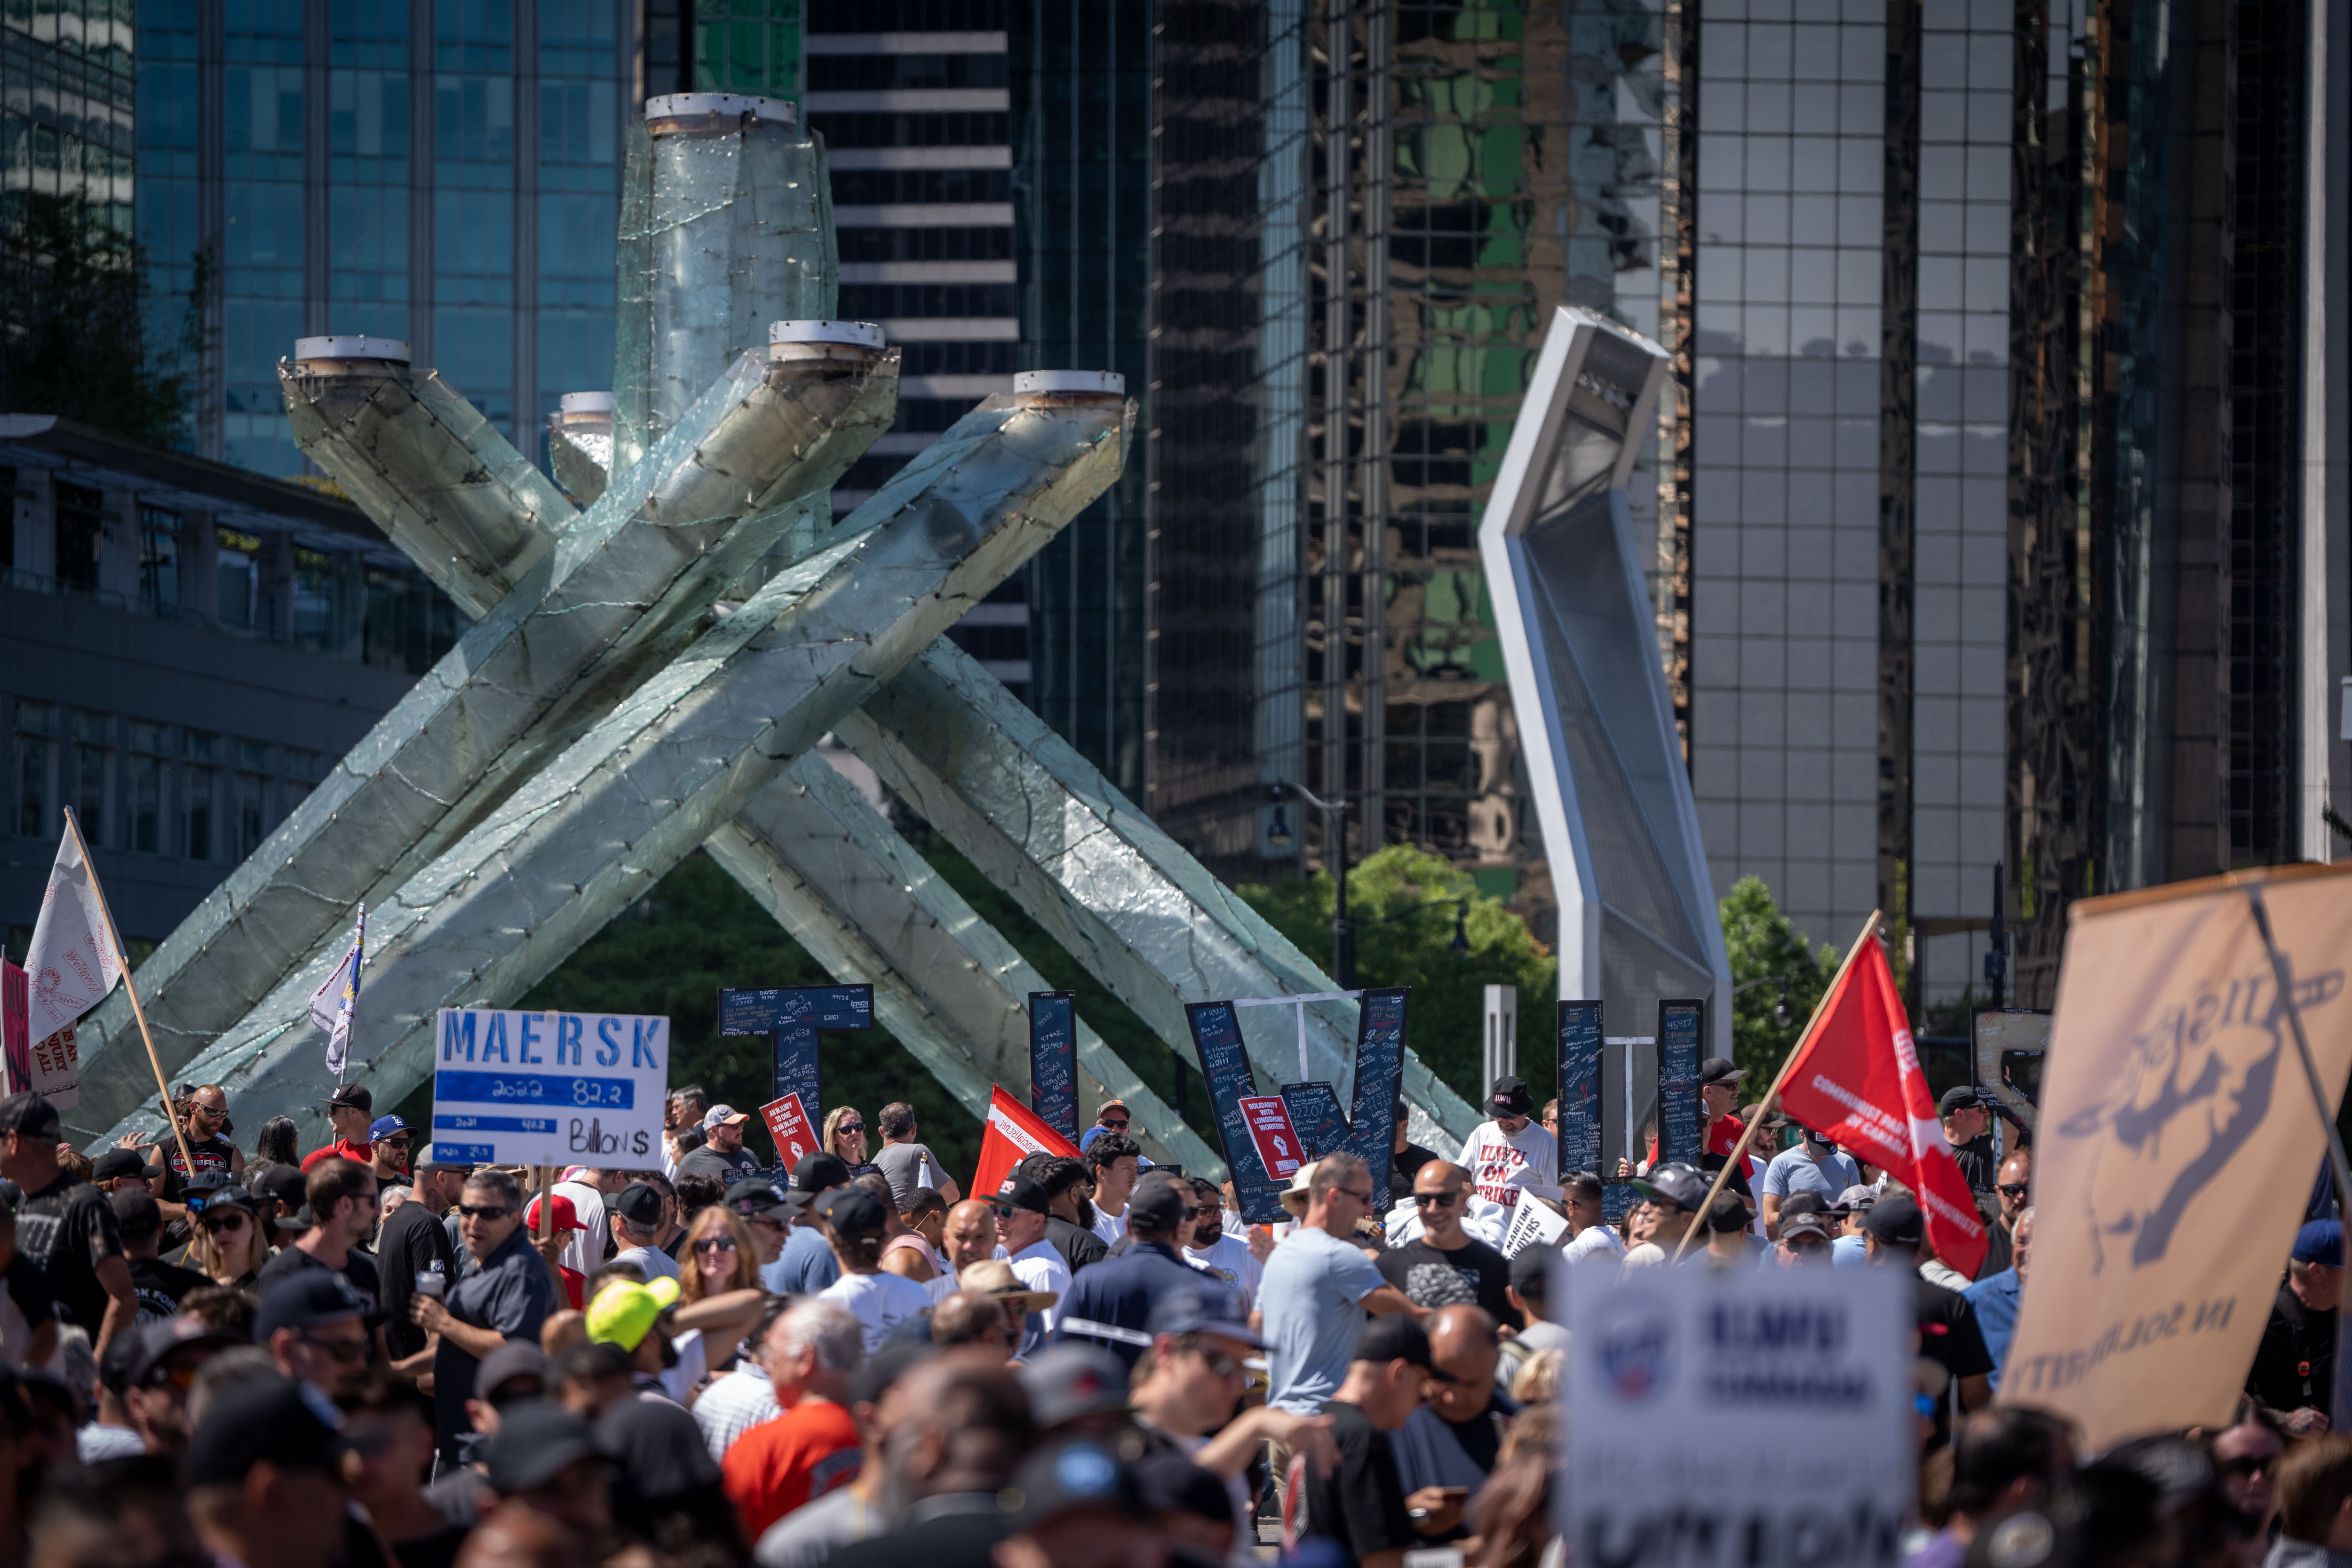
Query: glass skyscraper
x,y
66,103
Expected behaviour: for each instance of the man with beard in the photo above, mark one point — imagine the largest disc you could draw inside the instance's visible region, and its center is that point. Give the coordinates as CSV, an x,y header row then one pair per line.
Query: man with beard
x,y
965,1431
2294,1365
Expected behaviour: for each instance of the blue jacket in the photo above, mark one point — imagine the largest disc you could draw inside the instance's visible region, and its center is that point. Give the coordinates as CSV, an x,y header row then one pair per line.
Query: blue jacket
x,y
1995,1297
1119,1291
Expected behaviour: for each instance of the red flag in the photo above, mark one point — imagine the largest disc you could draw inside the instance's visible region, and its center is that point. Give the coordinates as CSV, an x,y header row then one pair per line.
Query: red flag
x,y
1011,1134
1856,1078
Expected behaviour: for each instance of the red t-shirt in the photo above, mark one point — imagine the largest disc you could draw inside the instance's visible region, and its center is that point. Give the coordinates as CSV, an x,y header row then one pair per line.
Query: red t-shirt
x,y
342,1149
1723,1134
793,1459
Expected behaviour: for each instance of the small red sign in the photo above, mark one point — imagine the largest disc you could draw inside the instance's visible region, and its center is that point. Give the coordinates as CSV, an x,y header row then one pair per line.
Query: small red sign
x,y
788,1124
1277,1141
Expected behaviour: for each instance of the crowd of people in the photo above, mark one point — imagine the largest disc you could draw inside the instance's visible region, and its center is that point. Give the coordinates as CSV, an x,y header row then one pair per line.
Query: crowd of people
x,y
371,1355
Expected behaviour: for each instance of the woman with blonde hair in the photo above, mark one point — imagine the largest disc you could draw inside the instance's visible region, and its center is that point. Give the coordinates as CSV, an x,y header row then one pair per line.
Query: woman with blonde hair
x,y
844,1134
714,1258
227,1245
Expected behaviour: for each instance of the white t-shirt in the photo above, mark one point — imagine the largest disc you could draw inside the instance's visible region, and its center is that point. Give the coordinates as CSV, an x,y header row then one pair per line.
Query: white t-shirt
x,y
1230,1260
1500,1169
1596,1243
1040,1268
879,1302
1110,1227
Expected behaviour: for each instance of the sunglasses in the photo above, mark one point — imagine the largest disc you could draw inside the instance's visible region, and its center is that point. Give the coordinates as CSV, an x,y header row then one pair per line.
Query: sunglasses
x,y
1808,1244
1422,1200
1118,1126
2011,1189
2247,1469
343,1353
851,1127
715,1244
1361,1194
201,1109
1221,1365
484,1211
216,1225
396,1141
1003,1211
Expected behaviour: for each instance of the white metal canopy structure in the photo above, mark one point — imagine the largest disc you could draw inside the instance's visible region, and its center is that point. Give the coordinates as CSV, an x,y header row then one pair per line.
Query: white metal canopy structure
x,y
1637,916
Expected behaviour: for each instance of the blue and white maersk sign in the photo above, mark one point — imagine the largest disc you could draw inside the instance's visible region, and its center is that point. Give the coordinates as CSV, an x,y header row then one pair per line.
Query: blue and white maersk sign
x,y
548,1088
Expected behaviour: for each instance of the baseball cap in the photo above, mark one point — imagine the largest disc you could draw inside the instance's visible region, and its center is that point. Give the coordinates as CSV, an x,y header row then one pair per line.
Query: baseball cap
x,y
1855,1199
515,1358
1674,1183
1395,1336
1727,1214
1720,1070
1803,1225
1075,1477
1111,1105
264,1417
567,1216
223,1197
760,1197
994,1277
855,1214
1509,1096
726,1114
1532,1269
136,1212
384,1127
284,1182
1803,1202
1208,1308
890,1362
29,1114
2321,1241
1069,1380
1959,1097
816,1174
304,1300
1022,1193
1896,1222
117,1163
1159,1201
153,1341
638,1203
351,1097
536,1440
624,1312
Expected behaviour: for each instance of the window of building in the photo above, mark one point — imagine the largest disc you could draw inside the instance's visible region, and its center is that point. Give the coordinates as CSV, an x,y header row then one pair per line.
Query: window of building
x,y
159,558
37,723
324,592
81,533
237,577
303,771
143,788
245,819
201,785
86,791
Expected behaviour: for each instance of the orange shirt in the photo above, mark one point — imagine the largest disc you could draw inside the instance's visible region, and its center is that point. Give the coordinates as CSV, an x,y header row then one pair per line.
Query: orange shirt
x,y
795,1458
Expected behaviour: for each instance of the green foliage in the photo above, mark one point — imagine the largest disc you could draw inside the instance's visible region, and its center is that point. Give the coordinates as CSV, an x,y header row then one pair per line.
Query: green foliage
x,y
1765,944
1404,937
73,324
697,931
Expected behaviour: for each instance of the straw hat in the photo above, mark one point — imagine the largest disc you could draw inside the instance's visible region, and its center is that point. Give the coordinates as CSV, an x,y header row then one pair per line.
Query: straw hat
x,y
994,1277
1294,1197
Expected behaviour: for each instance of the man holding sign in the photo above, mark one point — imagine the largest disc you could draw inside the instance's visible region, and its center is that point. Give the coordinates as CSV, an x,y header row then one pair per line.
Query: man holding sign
x,y
1445,1265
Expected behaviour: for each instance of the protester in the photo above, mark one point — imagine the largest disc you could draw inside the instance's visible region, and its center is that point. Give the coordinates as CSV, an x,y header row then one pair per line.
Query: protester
x,y
1111,1116
551,1234
806,1265
341,1196
264,1477
1319,1286
1590,1236
389,1426
157,1285
1405,1157
543,1460
1815,1165
2314,1499
968,1237
855,1220
1021,1309
766,1212
843,1135
1445,1264
1020,1210
1211,1248
1455,1438
1069,1216
1110,1304
388,1141
1849,1216
2010,1188
1079,1504
413,1244
2002,1459
850,1514
2294,1363
720,1256
1115,1161
1718,1098
1363,1503
682,1115
666,1492
1996,1298
2246,1455
722,1157
914,1253
1505,1155
506,1295
964,1431
64,1225
1674,1193
1530,1296
1949,1334
351,1111
908,1163
122,1170
1967,1127
634,1216
1804,1241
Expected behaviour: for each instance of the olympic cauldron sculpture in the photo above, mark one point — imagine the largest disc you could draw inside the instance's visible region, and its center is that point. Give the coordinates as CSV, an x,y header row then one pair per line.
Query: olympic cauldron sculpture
x,y
660,640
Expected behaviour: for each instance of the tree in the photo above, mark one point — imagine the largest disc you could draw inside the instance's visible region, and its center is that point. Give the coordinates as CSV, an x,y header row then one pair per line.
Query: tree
x,y
1399,900
74,338
1764,944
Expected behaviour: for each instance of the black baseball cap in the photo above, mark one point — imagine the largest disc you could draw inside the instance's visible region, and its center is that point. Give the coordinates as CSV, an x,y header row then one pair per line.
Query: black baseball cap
x,y
1803,1225
1396,1337
351,1097
758,1197
1023,1193
515,1358
1206,1307
1803,1202
151,1342
1532,1271
1509,1096
29,1115
536,1439
855,1214
304,1300
1728,1214
264,1417
1070,1379
117,1163
816,1174
1076,1477
1896,1222
284,1182
136,1212
1160,1201
638,1203
1720,1069
224,1197
888,1364
1674,1183
1959,1097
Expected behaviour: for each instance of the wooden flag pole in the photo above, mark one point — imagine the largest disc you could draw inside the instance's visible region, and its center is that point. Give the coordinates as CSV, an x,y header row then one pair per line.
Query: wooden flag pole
x,y
179,1133
1764,1106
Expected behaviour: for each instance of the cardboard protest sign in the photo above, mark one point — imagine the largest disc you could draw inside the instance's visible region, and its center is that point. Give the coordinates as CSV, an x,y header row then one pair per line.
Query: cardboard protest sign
x,y
788,1127
1680,1026
1054,1060
1705,1401
1268,1120
1224,1064
548,1088
1533,1223
2176,1134
1315,1111
1380,1076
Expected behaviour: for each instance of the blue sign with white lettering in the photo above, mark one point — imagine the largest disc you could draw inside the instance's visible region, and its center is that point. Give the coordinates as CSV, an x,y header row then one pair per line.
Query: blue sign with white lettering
x,y
1224,1064
1054,1060
1315,1115
1579,1088
1679,1029
1379,1075
513,1088
793,1015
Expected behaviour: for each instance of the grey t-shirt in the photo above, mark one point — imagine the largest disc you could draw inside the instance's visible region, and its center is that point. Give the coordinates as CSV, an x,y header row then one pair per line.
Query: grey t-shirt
x,y
909,1166
1312,1298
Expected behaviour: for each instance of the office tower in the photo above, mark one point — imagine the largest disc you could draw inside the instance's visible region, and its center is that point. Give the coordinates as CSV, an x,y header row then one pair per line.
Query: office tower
x,y
1995,521
67,104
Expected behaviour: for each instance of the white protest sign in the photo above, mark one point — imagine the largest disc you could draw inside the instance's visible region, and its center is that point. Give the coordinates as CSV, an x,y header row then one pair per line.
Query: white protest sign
x,y
1533,1223
1672,1374
548,1088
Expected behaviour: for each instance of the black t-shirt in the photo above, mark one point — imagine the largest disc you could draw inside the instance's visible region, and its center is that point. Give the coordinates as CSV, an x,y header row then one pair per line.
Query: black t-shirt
x,y
1949,1333
1472,1275
1360,1504
1077,1244
412,1242
358,1268
2001,1250
1977,1163
1405,1166
2294,1363
728,1169
30,1290
948,1533
67,1229
213,1154
160,1286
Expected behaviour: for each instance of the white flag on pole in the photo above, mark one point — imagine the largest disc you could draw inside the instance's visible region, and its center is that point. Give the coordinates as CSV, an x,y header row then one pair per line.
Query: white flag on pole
x,y
72,963
337,997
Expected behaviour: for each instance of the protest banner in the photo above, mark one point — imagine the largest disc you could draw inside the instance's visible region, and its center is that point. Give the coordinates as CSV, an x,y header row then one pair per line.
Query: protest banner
x,y
1224,1065
1681,1024
1379,1077
2176,1135
1533,1223
1278,1148
1054,1060
1705,1401
1010,1133
792,1015
1315,1112
789,1129
548,1088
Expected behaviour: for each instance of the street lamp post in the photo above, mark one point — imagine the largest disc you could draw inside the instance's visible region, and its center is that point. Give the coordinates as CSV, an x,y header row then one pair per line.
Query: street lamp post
x,y
1335,841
